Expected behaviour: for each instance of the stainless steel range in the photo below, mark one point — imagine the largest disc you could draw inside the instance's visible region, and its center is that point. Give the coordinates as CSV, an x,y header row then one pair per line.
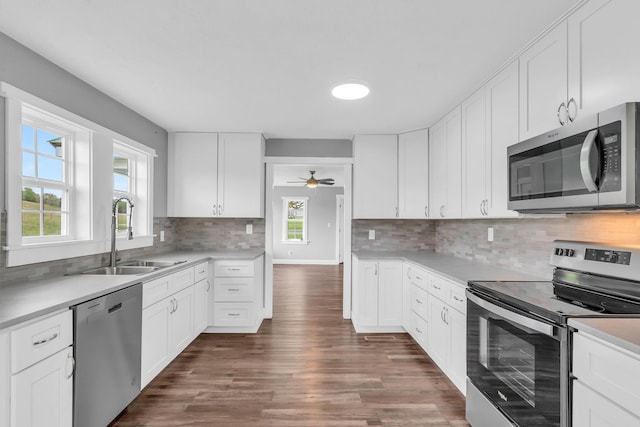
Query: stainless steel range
x,y
518,343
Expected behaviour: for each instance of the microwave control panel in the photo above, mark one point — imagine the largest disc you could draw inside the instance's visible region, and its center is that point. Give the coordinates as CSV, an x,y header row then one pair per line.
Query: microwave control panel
x,y
611,157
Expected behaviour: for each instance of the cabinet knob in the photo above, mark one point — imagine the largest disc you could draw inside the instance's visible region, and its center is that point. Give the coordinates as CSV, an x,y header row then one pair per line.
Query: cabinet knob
x,y
215,210
426,211
442,211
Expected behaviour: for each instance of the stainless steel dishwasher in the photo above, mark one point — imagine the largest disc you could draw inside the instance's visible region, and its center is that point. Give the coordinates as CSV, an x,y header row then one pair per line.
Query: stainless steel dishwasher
x,y
108,334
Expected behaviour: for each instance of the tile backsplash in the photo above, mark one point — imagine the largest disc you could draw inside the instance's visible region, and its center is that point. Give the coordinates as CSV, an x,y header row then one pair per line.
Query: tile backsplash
x,y
194,234
393,235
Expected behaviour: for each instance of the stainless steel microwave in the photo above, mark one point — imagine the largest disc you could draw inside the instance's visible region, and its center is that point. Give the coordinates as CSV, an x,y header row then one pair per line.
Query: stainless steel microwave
x,y
588,165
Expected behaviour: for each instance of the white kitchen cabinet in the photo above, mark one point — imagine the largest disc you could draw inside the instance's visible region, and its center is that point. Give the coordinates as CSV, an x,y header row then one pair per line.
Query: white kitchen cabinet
x,y
181,320
601,69
375,176
445,164
413,174
446,343
156,342
476,153
237,303
201,290
543,84
42,395
39,360
605,385
501,94
415,303
378,296
220,175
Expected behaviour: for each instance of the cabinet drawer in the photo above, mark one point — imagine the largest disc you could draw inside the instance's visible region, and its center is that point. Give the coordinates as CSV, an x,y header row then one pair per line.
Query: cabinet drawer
x,y
608,369
419,329
457,298
234,269
233,289
155,290
40,339
419,301
181,279
418,277
439,287
201,272
234,314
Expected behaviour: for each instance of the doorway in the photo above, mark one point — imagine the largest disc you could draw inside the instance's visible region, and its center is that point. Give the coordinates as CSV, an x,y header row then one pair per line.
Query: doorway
x,y
271,197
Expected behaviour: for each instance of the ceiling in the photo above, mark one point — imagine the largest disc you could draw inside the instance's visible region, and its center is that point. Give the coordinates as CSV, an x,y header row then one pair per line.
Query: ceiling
x,y
284,173
269,65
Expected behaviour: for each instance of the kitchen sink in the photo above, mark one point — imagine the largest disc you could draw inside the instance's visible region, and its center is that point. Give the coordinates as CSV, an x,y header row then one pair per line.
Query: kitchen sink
x,y
145,263
121,270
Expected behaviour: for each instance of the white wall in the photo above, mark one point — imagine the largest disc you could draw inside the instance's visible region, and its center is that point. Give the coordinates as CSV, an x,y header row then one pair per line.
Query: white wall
x,y
321,222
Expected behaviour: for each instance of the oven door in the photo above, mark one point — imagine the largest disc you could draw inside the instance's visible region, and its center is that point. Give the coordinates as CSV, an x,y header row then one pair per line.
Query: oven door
x,y
514,362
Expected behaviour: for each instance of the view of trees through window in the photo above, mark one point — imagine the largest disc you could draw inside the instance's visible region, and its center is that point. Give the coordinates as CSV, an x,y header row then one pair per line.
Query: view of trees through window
x,y
295,219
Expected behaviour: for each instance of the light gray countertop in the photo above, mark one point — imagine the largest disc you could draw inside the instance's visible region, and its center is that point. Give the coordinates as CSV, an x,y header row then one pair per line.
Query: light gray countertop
x,y
459,270
28,300
621,331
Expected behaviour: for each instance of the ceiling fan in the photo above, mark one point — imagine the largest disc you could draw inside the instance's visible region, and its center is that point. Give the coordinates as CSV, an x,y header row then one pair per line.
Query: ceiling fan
x,y
312,182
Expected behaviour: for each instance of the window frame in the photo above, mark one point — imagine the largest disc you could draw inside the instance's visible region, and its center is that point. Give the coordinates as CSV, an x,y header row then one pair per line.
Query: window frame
x,y
285,220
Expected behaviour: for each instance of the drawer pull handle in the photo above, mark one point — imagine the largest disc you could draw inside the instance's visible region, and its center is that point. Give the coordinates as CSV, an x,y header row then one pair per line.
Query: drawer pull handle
x,y
436,287
457,299
233,314
418,331
418,277
234,290
234,269
46,340
418,301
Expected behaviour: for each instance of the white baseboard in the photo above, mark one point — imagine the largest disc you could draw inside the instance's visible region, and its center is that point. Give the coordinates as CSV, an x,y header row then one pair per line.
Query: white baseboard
x,y
307,261
377,329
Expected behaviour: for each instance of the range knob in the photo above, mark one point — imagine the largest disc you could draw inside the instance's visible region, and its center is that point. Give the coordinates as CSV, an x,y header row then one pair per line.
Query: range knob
x,y
571,252
559,251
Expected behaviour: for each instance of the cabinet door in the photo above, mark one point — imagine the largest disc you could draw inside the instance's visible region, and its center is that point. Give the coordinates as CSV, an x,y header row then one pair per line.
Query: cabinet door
x,y
367,306
437,170
502,131
390,293
42,395
375,176
413,174
543,83
602,71
181,321
457,363
192,178
453,172
201,306
240,175
591,409
438,333
474,151
156,348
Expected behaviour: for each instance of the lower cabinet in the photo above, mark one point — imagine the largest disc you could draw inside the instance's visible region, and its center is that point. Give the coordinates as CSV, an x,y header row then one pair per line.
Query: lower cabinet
x,y
378,296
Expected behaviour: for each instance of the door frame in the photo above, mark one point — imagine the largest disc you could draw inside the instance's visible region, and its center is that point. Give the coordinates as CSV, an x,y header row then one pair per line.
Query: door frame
x,y
340,228
347,164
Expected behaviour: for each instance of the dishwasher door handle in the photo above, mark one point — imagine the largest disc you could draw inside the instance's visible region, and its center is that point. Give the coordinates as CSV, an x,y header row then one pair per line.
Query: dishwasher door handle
x,y
116,307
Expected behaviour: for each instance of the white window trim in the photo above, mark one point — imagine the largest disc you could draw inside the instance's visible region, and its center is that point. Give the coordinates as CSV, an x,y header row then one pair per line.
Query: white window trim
x,y
285,221
96,239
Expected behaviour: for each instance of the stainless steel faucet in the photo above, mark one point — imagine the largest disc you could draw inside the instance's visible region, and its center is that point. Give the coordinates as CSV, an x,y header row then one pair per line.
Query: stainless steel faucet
x,y
114,226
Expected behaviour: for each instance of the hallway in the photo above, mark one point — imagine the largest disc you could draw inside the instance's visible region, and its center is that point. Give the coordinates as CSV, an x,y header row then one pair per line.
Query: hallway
x,y
306,367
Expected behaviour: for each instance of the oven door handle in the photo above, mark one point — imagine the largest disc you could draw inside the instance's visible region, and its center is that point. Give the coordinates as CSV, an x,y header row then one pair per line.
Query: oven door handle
x,y
536,325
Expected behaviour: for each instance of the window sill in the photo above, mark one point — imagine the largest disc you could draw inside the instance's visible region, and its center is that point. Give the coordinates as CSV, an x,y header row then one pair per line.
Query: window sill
x,y
295,242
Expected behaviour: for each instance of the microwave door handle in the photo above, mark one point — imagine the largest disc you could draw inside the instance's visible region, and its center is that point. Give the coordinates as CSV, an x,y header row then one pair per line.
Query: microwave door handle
x,y
588,146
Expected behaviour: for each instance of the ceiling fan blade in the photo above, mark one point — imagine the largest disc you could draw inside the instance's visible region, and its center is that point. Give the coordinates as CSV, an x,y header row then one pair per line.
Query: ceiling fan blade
x,y
325,180
326,183
297,182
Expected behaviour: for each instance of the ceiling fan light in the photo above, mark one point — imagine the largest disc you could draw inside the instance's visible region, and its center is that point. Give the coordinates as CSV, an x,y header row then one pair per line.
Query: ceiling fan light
x,y
350,91
312,184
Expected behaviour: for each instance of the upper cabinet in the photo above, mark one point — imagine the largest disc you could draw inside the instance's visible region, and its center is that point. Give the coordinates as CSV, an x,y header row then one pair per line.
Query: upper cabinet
x,y
543,84
603,71
413,174
476,156
445,163
375,176
219,175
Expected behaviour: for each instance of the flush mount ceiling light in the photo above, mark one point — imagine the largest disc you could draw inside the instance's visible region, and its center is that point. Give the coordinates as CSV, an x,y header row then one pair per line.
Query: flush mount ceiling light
x,y
350,91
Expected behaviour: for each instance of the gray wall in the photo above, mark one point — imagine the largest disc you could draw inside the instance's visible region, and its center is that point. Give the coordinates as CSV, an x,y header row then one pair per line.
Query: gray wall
x,y
26,70
308,148
322,211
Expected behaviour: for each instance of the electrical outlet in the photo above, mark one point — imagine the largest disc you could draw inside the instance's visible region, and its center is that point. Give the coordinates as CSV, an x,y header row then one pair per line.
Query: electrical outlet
x,y
372,234
289,253
162,235
490,234
249,228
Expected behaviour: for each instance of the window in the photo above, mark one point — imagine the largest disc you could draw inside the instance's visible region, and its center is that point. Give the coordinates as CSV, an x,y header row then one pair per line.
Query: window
x,y
62,172
295,212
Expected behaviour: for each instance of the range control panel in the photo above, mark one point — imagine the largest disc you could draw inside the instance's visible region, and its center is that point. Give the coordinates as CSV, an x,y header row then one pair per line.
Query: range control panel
x,y
610,256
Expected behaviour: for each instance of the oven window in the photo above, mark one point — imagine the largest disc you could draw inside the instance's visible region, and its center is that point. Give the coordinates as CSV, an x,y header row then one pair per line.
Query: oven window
x,y
512,360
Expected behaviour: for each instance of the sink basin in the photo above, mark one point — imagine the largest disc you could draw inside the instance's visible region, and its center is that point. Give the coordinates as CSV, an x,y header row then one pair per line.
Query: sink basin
x,y
145,263
121,270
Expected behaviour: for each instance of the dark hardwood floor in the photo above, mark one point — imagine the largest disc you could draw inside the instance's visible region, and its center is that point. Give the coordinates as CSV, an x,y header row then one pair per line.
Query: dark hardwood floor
x,y
306,367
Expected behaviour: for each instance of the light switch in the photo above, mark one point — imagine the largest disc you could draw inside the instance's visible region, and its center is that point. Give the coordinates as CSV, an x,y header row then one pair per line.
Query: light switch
x,y
490,234
249,228
372,234
162,235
